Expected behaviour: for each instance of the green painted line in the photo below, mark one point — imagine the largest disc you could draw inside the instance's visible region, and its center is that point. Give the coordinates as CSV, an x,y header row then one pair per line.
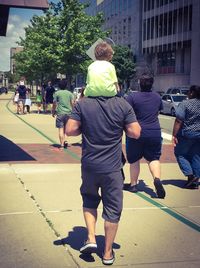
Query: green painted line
x,y
72,154
171,212
167,210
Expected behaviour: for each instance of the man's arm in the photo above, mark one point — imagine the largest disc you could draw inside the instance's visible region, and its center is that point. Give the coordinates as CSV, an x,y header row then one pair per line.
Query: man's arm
x,y
73,127
53,111
177,125
133,130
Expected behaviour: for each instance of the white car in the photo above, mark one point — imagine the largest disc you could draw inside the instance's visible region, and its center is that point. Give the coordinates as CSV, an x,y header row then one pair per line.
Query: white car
x,y
171,102
178,90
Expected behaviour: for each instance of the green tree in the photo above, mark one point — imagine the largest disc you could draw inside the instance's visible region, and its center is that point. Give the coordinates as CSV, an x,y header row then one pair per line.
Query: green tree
x,y
57,42
124,64
38,60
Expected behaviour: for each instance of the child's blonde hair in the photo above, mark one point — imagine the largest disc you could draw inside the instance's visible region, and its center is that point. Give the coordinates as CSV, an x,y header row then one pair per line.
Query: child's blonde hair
x,y
103,51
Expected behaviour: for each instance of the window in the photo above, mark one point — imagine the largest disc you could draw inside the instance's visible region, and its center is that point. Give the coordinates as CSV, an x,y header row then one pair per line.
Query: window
x,y
166,62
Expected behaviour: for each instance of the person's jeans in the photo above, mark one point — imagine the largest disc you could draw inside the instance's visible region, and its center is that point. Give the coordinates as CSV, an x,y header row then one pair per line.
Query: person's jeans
x,y
187,153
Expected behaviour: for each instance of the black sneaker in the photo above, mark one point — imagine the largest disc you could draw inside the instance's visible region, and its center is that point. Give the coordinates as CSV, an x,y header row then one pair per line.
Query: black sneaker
x,y
191,180
160,191
193,186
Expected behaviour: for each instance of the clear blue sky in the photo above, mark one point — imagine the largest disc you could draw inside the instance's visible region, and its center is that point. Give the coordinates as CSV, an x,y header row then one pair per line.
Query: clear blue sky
x,y
18,19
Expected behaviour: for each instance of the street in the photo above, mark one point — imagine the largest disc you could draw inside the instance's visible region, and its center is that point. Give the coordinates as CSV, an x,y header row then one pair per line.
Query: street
x,y
41,217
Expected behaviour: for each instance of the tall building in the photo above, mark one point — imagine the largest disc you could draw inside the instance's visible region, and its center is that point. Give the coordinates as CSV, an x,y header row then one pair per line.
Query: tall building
x,y
13,51
170,41
163,34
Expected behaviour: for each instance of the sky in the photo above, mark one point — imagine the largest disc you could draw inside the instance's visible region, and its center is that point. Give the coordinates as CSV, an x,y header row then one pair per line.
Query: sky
x,y
18,19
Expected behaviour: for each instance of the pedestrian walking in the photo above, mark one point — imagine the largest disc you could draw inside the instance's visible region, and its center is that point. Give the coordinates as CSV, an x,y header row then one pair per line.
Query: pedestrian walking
x,y
22,97
62,106
48,96
28,101
186,137
101,120
39,100
147,105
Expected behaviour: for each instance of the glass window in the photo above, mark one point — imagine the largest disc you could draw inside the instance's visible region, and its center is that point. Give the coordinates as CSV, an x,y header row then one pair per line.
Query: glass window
x,y
124,4
166,62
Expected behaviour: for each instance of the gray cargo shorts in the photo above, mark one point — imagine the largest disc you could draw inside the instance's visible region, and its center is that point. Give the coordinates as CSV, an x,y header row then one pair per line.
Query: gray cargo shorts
x,y
61,120
110,186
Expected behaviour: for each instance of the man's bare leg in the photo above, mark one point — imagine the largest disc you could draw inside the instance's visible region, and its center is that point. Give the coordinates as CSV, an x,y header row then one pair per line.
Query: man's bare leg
x,y
90,216
110,233
134,172
154,167
61,136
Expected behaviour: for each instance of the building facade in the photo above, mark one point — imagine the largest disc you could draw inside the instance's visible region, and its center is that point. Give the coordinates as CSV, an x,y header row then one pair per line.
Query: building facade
x,y
164,36
170,39
13,51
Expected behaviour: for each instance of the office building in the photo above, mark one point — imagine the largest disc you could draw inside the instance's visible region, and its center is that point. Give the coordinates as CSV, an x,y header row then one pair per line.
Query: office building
x,y
13,51
164,36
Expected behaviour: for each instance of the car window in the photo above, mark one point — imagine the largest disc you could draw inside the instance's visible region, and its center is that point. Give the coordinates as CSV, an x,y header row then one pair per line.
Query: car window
x,y
164,98
178,98
169,98
169,90
174,91
184,91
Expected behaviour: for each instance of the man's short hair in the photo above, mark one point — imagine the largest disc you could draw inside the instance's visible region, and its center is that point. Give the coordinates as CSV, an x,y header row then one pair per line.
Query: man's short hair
x,y
62,84
146,82
103,51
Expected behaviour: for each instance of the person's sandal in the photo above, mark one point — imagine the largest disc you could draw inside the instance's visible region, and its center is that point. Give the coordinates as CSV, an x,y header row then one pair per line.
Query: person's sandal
x,y
109,261
88,248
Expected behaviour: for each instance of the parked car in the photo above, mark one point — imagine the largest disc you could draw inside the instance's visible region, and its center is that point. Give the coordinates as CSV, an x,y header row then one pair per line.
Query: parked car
x,y
178,90
171,102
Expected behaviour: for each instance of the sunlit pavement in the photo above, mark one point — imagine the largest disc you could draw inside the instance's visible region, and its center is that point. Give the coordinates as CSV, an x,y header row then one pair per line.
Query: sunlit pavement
x,y
40,206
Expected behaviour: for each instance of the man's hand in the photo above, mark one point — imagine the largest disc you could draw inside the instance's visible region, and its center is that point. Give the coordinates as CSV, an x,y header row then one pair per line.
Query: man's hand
x,y
133,130
174,141
73,128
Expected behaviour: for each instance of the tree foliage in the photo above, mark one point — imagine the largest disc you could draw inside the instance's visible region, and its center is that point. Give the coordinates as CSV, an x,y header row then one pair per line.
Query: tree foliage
x,y
124,64
57,41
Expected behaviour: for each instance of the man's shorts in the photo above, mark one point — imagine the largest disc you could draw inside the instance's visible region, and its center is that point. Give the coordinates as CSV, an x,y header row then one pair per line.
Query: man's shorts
x,y
149,148
61,120
110,186
21,101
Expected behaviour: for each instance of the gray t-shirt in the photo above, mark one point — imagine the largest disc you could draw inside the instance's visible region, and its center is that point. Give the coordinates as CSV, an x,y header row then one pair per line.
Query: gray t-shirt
x,y
102,122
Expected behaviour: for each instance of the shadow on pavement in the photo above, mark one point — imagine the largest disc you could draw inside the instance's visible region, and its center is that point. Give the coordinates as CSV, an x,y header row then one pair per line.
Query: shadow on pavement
x,y
76,238
177,183
142,187
12,152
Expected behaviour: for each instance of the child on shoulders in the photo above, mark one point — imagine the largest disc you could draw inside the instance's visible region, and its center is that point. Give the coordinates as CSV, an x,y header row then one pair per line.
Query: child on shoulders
x,y
101,77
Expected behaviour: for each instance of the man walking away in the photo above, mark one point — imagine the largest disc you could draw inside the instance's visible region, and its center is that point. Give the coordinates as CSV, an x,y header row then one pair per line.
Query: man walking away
x,y
101,120
62,106
147,105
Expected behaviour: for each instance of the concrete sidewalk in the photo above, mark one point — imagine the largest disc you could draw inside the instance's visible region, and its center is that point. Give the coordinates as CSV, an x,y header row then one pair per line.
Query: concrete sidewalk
x,y
40,206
